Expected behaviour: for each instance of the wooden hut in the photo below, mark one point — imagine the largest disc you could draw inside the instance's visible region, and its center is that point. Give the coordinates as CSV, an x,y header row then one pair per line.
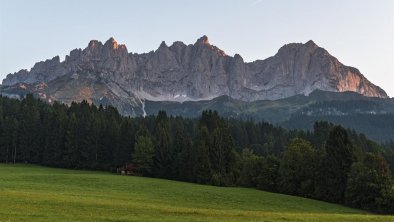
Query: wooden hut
x,y
128,169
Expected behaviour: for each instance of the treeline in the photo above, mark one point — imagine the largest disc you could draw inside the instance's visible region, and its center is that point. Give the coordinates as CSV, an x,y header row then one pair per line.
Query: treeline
x,y
379,127
328,163
347,107
375,118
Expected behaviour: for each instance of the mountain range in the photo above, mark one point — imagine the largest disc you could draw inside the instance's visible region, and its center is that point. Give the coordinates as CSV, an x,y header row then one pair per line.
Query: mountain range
x,y
108,74
300,84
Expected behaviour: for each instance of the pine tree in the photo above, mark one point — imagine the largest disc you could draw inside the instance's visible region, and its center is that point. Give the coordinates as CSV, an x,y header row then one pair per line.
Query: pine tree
x,y
163,154
202,169
71,152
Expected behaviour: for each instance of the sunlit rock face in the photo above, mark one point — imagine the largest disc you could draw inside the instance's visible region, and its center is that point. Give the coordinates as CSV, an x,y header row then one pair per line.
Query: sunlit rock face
x,y
108,73
302,68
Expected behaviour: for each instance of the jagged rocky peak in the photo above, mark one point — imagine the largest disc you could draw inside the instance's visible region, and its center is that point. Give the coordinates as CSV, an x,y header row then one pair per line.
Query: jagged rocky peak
x,y
311,43
49,62
98,56
178,44
162,47
163,44
112,43
238,57
93,44
309,46
204,43
203,40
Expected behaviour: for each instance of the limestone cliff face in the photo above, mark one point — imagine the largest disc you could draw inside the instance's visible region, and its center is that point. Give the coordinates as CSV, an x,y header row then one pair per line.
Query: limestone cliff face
x,y
182,72
302,68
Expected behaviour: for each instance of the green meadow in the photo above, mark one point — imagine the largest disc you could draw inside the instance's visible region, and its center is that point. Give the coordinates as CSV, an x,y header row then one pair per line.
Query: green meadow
x,y
35,193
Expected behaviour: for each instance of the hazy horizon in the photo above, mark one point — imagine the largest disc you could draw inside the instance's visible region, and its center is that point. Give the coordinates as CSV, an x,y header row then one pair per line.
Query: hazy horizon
x,y
359,34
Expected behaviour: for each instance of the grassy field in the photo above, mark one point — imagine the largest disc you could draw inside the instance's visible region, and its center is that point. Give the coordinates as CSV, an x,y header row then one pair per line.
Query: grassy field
x,y
34,193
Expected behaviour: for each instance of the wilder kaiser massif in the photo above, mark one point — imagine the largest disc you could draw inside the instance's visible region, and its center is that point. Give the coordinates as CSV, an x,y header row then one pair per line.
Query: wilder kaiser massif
x,y
109,74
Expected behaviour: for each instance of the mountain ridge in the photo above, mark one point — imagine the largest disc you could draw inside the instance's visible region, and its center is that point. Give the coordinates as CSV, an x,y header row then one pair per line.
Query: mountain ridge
x,y
181,72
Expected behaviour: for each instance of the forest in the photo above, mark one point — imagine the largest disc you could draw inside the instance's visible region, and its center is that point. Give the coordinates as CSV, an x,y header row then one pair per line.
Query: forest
x,y
328,163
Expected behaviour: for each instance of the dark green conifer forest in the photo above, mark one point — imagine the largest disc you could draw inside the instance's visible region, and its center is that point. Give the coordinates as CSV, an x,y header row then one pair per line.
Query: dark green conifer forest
x,y
329,163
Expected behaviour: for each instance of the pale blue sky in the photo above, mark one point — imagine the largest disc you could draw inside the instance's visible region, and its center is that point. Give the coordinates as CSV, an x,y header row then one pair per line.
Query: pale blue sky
x,y
359,33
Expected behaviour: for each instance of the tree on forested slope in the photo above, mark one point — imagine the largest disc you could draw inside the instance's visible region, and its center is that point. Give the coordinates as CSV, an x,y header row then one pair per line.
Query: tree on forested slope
x,y
368,182
335,166
297,168
143,152
269,173
219,145
70,154
163,152
54,128
126,143
202,171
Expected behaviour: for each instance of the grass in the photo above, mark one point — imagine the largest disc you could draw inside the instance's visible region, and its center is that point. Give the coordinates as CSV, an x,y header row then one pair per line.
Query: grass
x,y
35,193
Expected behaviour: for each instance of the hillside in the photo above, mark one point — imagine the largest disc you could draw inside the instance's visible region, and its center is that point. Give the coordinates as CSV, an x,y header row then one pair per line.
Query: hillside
x,y
33,193
369,115
276,111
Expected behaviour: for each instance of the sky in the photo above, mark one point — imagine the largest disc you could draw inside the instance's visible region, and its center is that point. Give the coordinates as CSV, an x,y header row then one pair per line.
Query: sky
x,y
359,33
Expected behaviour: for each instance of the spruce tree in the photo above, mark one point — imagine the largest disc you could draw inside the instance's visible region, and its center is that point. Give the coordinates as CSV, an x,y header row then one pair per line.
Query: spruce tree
x,y
335,166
